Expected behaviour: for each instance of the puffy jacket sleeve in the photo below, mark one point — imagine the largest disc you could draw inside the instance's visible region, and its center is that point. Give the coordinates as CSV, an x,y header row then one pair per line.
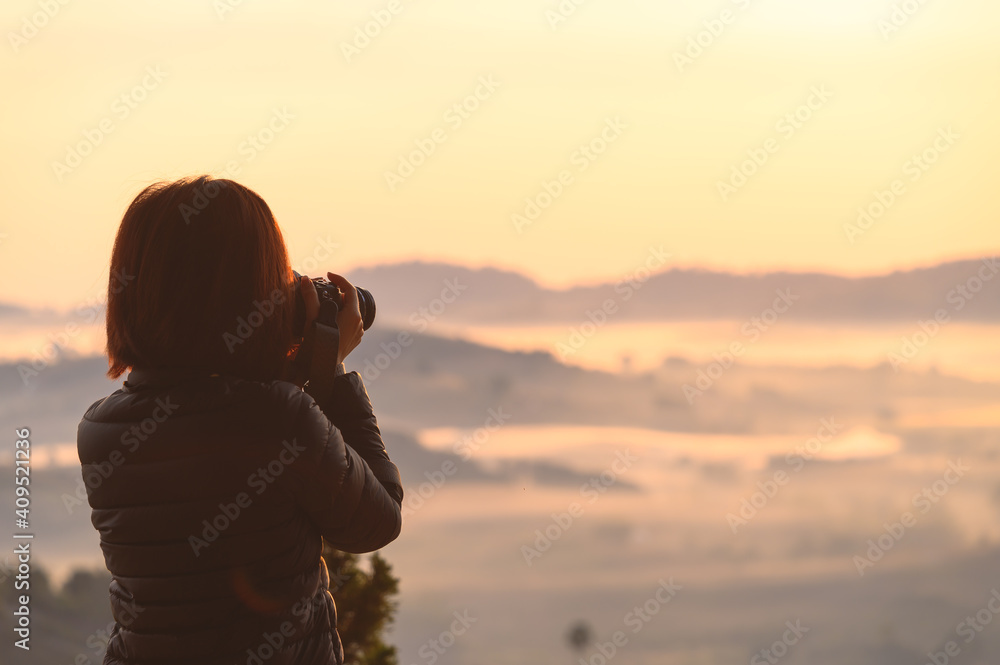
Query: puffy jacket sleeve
x,y
349,408
345,481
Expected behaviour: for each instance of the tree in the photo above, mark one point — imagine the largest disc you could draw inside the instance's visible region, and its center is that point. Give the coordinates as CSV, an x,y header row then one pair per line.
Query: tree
x,y
365,606
580,636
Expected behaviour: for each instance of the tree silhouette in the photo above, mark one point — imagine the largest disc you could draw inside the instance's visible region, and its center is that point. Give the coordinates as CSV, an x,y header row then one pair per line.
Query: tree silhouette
x,y
73,621
580,636
365,606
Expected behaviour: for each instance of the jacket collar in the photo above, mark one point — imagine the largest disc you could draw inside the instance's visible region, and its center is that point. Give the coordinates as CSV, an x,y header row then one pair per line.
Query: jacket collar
x,y
147,377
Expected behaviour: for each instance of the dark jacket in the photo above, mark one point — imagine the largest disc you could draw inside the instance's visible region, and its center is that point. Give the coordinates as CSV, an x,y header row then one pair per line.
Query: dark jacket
x,y
212,495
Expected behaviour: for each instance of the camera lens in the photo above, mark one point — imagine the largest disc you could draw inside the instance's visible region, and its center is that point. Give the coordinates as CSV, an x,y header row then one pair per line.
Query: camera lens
x,y
366,303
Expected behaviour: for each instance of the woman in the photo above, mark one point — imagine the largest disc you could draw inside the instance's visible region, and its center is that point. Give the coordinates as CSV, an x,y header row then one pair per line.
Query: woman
x,y
213,482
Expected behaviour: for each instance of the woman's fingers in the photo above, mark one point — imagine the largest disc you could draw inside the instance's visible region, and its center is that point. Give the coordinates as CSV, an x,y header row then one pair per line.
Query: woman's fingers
x,y
349,319
350,293
311,300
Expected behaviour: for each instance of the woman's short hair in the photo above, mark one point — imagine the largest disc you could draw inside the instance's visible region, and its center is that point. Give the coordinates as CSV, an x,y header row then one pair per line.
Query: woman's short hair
x,y
200,279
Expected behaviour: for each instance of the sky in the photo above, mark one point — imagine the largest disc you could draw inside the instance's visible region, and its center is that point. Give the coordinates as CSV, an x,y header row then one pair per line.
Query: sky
x,y
738,135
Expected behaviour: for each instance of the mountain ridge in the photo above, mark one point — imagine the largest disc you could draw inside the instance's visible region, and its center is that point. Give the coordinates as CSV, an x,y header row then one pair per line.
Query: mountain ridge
x,y
414,291
964,289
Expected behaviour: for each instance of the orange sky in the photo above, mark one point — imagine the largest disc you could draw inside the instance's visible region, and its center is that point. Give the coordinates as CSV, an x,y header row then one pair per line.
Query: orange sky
x,y
836,108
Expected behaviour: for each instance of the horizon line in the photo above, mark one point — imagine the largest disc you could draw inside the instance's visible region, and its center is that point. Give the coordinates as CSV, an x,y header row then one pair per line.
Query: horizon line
x,y
690,267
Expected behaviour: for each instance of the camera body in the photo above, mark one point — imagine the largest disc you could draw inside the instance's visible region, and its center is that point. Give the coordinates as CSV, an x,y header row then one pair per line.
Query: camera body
x,y
331,300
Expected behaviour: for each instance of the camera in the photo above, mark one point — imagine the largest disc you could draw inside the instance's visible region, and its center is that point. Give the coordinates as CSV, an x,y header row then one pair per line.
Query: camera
x,y
330,295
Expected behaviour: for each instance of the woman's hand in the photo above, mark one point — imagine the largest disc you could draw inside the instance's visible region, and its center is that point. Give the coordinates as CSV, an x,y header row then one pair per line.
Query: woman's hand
x,y
348,319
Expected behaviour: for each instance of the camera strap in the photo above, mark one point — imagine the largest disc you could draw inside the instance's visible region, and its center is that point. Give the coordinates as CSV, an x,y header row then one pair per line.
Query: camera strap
x,y
325,349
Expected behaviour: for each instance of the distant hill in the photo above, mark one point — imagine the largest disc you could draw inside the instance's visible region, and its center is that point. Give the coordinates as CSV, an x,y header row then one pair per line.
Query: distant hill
x,y
408,292
439,382
491,296
54,401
